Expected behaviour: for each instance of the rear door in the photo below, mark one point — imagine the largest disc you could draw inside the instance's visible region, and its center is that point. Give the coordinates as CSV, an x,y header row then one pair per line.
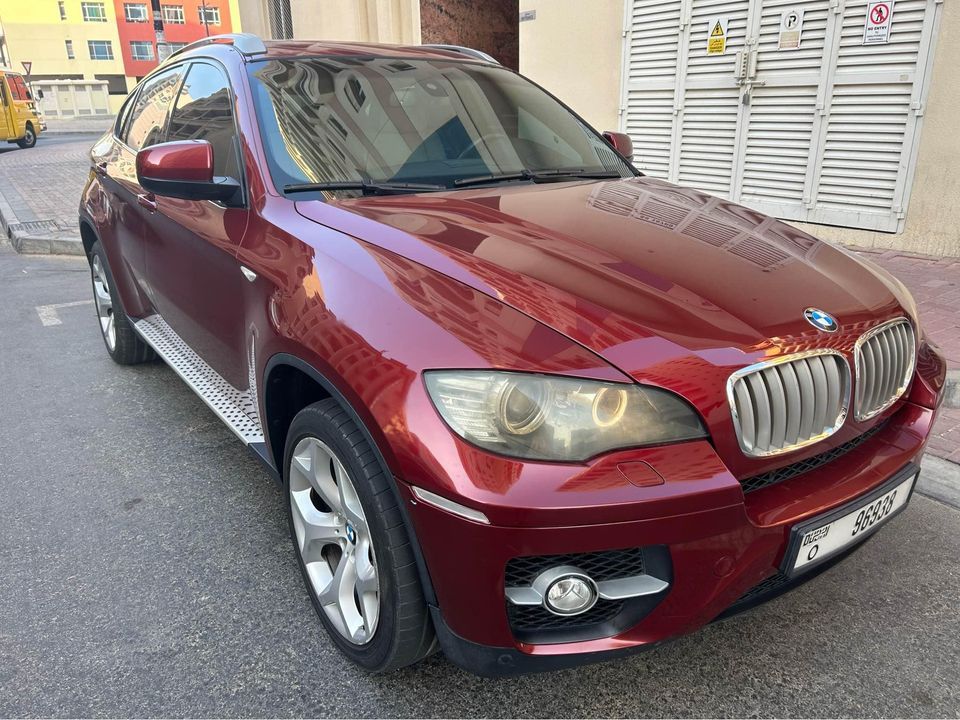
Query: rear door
x,y
142,124
195,277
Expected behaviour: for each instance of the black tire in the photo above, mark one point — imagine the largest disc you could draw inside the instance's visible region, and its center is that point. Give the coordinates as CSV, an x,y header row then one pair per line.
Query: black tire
x,y
129,348
29,139
404,633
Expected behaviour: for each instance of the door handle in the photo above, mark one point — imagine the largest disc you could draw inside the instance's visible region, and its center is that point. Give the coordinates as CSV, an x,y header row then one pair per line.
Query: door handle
x,y
100,169
147,201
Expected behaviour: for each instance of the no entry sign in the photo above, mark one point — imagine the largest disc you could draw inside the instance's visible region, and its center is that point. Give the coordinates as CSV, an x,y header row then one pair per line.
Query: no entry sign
x,y
876,25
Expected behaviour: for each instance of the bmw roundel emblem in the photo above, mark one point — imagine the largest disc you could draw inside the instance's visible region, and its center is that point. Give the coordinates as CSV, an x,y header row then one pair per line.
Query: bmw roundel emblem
x,y
821,320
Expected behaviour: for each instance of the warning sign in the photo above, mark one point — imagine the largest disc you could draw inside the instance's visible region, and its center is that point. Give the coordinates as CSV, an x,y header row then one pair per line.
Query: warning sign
x,y
791,25
717,35
876,25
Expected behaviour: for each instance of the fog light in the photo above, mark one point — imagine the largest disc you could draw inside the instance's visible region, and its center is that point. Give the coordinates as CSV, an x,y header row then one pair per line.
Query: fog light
x,y
570,595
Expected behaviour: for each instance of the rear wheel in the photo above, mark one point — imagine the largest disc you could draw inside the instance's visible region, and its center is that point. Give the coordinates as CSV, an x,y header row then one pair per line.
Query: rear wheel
x,y
29,138
351,542
122,341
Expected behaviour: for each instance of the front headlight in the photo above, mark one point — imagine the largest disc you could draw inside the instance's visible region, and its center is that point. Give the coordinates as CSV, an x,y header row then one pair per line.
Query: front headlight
x,y
545,417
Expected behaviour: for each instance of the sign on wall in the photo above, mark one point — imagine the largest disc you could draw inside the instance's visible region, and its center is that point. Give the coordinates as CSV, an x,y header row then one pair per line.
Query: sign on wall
x,y
717,35
791,26
876,25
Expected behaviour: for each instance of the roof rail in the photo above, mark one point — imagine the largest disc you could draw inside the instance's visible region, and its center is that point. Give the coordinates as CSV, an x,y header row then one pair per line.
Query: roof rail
x,y
244,43
470,52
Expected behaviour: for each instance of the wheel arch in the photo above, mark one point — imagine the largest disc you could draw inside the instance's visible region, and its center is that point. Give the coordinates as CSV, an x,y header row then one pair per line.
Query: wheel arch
x,y
88,236
291,384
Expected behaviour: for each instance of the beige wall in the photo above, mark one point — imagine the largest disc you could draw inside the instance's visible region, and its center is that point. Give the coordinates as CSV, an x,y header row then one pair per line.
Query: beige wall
x,y
386,21
575,50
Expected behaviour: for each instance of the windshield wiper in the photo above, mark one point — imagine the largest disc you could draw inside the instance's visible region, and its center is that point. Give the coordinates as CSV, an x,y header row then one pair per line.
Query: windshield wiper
x,y
502,177
368,188
539,176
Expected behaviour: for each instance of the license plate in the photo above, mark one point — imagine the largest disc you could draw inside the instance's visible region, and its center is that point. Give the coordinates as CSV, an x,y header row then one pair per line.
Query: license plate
x,y
822,538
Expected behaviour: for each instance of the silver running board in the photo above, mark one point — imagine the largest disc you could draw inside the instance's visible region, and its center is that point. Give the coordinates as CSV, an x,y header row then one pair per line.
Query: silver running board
x,y
237,408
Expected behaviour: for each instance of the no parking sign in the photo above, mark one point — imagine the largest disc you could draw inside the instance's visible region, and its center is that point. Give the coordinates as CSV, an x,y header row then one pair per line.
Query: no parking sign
x,y
876,25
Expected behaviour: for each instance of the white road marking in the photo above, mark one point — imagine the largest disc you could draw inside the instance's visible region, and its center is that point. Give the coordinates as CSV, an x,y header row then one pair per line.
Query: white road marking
x,y
49,315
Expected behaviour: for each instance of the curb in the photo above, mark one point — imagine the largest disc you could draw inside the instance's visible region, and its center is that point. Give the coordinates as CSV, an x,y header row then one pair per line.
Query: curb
x,y
27,244
951,397
940,480
39,237
74,131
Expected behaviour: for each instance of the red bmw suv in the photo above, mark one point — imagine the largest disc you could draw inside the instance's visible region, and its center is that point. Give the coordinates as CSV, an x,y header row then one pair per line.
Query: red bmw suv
x,y
528,405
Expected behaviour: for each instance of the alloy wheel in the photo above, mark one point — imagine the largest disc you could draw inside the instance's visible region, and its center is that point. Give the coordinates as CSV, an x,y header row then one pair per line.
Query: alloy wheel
x,y
104,303
334,540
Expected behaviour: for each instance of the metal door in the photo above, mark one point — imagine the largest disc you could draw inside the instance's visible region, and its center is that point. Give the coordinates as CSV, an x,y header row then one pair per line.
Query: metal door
x,y
827,132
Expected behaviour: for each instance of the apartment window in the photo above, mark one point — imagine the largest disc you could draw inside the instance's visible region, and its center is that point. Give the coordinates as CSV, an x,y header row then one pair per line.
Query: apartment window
x,y
63,10
69,45
135,12
141,49
176,46
93,12
212,18
173,14
100,49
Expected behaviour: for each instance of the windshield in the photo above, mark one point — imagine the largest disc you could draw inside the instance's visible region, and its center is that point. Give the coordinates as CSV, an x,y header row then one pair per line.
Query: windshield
x,y
422,122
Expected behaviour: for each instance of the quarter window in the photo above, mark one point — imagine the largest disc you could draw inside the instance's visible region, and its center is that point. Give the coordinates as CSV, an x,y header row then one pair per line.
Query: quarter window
x,y
93,12
172,15
100,49
135,12
212,15
204,111
149,113
141,49
69,46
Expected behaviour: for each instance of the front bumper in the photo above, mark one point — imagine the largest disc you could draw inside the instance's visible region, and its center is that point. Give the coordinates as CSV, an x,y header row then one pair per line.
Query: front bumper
x,y
722,544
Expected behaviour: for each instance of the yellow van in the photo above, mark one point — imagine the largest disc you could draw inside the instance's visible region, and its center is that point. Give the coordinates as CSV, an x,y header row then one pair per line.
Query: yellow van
x,y
19,120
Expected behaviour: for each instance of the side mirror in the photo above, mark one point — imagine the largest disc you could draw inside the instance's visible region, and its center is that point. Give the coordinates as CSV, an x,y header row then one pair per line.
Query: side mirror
x,y
621,143
183,169
39,94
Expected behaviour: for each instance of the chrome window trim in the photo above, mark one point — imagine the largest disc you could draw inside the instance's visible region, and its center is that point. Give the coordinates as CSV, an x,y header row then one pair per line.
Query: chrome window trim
x,y
763,365
908,376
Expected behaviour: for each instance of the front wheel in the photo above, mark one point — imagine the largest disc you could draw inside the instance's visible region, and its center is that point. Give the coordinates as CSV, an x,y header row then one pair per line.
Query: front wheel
x,y
29,138
351,542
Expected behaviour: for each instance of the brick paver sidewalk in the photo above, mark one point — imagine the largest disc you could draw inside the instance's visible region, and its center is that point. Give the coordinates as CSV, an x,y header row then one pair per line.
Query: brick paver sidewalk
x,y
44,184
935,285
40,188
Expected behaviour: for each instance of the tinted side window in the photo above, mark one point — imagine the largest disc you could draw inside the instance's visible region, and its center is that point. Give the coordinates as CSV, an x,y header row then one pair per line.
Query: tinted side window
x,y
204,111
149,112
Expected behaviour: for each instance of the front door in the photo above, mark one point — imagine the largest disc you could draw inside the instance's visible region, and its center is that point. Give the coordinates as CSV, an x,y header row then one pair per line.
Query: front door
x,y
195,278
6,111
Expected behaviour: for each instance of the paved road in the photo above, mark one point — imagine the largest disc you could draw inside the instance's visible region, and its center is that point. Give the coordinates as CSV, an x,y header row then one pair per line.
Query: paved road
x,y
145,570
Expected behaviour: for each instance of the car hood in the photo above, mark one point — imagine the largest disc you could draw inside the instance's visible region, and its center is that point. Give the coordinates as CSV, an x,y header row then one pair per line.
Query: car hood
x,y
640,271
